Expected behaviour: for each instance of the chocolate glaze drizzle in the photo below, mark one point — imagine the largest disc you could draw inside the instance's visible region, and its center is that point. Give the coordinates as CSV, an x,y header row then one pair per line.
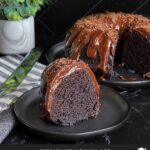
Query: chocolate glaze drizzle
x,y
101,33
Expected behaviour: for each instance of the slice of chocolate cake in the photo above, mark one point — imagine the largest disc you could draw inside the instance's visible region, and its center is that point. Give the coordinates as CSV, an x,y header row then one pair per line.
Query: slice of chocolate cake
x,y
70,92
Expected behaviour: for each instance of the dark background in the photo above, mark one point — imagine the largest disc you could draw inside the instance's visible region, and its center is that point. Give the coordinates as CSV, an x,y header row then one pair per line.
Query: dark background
x,y
54,20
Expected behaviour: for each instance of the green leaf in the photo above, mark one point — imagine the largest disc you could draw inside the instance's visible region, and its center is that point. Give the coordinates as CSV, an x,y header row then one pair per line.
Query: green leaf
x,y
22,70
28,2
19,9
8,11
34,9
16,16
20,1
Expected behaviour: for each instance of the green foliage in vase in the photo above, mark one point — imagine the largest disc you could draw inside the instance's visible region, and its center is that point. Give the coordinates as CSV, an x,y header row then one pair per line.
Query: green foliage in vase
x,y
19,9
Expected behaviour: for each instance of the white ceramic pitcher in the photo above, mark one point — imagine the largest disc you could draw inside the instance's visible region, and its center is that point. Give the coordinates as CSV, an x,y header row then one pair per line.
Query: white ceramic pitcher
x,y
17,37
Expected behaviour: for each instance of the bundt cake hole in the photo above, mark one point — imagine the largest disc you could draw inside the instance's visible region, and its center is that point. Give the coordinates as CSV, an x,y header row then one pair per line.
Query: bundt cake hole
x,y
119,52
74,99
118,58
137,52
132,53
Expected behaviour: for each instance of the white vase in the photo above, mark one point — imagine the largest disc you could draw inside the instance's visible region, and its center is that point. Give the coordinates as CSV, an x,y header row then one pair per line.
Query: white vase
x,y
17,37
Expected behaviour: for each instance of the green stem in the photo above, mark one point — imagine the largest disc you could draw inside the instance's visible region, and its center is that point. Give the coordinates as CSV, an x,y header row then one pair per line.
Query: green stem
x,y
22,70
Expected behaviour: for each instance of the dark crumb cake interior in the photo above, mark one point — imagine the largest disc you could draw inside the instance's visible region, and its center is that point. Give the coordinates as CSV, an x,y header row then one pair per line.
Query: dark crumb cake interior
x,y
74,99
136,53
70,92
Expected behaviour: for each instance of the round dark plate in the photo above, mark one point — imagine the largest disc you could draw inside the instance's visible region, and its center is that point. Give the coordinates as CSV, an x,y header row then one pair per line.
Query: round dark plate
x,y
57,51
114,113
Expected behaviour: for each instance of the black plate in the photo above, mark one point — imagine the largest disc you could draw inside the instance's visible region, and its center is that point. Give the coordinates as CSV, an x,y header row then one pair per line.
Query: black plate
x,y
114,113
57,51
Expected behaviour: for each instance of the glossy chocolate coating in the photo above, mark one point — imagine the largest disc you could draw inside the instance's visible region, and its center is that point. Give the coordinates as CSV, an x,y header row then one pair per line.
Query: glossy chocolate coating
x,y
100,34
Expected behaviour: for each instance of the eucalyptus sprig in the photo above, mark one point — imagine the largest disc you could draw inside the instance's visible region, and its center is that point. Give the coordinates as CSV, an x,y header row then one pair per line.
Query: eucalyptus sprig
x,y
19,9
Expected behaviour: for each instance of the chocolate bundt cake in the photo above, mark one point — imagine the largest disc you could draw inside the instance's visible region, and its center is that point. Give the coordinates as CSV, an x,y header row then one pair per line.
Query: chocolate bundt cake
x,y
70,92
103,40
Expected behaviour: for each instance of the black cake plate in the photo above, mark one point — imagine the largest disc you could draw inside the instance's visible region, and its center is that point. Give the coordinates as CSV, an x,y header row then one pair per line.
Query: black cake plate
x,y
114,113
57,51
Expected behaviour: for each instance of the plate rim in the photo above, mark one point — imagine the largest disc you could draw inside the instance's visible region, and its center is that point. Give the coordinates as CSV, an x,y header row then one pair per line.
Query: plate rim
x,y
72,135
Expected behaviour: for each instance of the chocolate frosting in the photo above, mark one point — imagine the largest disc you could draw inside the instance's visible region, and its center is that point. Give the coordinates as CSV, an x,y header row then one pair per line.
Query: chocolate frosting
x,y
101,32
55,72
